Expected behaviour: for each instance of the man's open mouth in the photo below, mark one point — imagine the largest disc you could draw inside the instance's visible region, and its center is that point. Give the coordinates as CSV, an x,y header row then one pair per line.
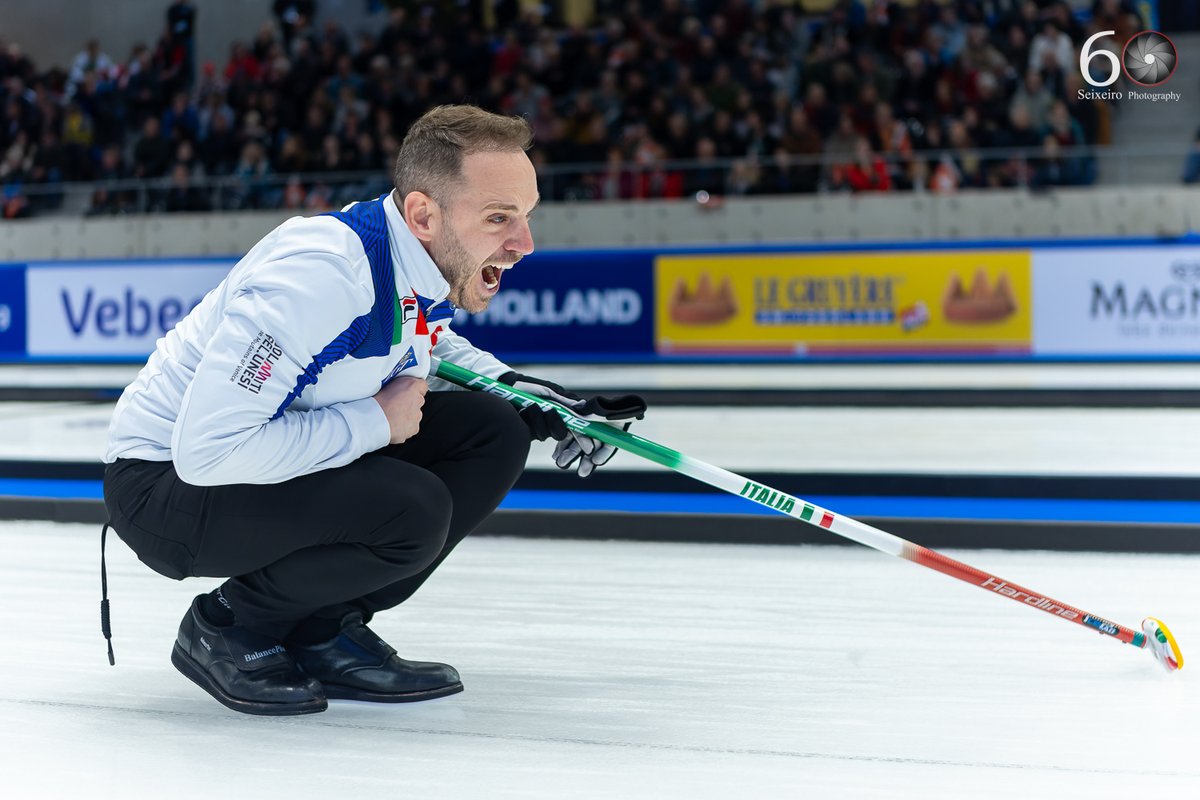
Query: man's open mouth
x,y
491,275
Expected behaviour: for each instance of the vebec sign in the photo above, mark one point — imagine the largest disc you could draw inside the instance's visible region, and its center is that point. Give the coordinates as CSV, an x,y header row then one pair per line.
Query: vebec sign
x,y
117,310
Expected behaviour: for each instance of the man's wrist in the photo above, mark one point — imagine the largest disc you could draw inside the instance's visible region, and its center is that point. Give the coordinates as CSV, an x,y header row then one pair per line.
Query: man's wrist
x,y
368,423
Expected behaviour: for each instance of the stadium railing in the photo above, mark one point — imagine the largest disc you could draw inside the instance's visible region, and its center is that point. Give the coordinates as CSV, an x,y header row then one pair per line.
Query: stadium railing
x,y
1021,168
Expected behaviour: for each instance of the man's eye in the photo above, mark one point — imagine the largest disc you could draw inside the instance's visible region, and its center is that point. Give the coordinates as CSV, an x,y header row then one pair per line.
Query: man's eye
x,y
498,219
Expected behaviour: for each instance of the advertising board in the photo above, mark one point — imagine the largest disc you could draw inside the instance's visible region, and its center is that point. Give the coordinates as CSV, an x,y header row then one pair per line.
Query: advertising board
x,y
111,309
1116,301
844,303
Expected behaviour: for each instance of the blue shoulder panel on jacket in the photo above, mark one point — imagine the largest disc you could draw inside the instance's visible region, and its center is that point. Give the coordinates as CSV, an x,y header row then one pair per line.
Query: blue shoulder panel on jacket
x,y
370,223
371,334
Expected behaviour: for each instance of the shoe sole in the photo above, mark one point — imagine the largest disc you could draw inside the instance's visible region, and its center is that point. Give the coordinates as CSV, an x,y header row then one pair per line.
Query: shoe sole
x,y
199,676
335,692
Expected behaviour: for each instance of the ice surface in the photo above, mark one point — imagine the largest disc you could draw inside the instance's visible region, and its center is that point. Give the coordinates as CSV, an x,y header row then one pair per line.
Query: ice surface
x,y
628,670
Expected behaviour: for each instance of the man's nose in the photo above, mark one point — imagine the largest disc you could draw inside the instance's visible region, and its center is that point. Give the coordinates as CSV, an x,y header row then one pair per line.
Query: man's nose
x,y
522,240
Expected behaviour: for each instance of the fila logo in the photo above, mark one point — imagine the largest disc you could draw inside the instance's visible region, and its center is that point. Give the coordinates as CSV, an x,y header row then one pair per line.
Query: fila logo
x,y
408,309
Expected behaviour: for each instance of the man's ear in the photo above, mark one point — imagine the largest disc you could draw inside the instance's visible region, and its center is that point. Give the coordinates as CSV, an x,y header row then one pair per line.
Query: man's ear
x,y
422,214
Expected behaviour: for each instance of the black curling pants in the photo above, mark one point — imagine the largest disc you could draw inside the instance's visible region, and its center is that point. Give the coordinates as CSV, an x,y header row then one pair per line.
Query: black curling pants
x,y
302,554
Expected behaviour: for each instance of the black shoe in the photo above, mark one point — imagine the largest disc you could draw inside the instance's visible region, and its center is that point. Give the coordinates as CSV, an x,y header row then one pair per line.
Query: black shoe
x,y
243,670
358,665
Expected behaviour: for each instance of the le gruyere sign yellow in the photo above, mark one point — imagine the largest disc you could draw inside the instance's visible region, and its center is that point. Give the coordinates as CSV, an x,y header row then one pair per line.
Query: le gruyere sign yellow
x,y
967,301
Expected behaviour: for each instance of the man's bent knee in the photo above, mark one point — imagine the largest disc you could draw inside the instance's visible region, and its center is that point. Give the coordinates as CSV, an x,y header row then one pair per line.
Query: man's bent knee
x,y
416,535
508,435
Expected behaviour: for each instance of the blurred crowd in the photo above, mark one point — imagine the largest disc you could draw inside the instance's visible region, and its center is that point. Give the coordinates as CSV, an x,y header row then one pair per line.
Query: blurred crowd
x,y
657,98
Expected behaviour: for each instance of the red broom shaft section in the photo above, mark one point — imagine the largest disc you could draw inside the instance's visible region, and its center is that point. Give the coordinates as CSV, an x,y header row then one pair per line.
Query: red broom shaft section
x,y
965,572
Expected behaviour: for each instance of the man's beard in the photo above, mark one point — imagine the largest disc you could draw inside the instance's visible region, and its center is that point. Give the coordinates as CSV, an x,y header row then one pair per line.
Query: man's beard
x,y
459,270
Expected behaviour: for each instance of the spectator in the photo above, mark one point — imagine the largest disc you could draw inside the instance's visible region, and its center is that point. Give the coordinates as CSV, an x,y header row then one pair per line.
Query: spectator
x,y
210,83
655,181
801,139
253,128
181,121
1050,169
171,65
345,78
822,115
242,67
252,189
364,154
181,195
1092,117
292,157
868,172
951,32
722,91
185,154
14,63
49,167
1076,168
139,86
350,110
1035,98
151,152
916,177
915,89
331,159
968,166
108,197
219,146
294,17
78,137
744,177
890,137
181,27
780,175
618,181
508,56
680,141
1051,51
1022,135
214,108
842,147
89,60
13,202
1016,47
979,55
18,160
723,133
708,175
526,97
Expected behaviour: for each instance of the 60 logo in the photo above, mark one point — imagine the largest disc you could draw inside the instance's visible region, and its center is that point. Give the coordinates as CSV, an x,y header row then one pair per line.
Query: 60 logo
x,y
1149,59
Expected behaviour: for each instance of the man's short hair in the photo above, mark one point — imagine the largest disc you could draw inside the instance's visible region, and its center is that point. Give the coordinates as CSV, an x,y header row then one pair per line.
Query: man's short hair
x,y
430,159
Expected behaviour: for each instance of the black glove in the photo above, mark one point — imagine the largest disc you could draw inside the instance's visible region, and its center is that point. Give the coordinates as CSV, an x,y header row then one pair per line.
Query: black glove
x,y
572,446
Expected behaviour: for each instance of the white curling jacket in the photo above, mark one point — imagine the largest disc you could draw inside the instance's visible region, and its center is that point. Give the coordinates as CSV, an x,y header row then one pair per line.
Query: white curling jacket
x,y
273,374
